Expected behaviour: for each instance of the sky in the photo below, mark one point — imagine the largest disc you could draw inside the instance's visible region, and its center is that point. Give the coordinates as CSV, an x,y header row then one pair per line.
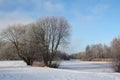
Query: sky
x,y
92,21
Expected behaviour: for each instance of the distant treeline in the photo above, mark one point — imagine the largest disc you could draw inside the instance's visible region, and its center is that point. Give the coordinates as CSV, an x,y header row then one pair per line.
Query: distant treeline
x,y
93,52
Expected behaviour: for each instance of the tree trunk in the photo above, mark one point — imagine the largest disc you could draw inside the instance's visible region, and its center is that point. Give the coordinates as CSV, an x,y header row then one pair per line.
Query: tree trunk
x,y
45,59
29,61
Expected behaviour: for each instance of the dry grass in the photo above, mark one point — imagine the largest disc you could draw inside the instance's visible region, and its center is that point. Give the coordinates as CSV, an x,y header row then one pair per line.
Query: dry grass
x,y
38,64
99,60
103,60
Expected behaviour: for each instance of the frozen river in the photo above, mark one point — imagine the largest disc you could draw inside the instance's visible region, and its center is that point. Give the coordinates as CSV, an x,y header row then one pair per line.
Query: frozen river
x,y
86,66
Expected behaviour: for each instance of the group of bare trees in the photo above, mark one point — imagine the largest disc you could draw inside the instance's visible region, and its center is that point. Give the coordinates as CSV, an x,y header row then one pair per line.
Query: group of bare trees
x,y
97,51
94,51
37,41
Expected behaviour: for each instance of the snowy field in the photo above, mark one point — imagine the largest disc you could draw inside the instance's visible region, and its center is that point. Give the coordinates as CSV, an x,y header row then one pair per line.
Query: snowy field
x,y
8,64
23,72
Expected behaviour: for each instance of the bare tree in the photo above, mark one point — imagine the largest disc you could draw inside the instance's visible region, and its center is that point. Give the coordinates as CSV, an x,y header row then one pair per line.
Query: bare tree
x,y
16,35
12,34
115,48
8,52
107,52
50,33
89,54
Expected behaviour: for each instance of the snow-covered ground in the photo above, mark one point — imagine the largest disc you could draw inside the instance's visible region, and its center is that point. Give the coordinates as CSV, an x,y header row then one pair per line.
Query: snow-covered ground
x,y
12,64
38,73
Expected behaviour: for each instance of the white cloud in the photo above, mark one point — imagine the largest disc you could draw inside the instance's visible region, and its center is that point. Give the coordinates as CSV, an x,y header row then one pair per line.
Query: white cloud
x,y
99,8
15,17
20,13
50,6
81,20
